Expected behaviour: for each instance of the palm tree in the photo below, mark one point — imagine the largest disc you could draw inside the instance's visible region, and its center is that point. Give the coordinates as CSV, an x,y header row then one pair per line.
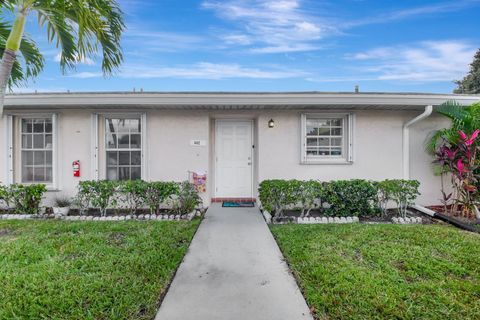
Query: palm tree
x,y
463,118
80,29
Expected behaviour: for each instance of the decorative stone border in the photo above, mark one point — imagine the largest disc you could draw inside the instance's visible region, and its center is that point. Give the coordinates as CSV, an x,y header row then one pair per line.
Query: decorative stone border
x,y
144,217
412,220
314,220
325,220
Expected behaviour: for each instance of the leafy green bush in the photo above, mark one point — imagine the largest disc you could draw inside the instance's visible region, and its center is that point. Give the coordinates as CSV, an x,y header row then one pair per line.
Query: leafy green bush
x,y
27,198
98,194
187,198
133,194
350,197
343,197
276,195
5,196
158,193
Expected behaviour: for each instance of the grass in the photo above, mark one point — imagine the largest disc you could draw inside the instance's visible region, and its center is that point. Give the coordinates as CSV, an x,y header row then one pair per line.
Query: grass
x,y
385,271
88,270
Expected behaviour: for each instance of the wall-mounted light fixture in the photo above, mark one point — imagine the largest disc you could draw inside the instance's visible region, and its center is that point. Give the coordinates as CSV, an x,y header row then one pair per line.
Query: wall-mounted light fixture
x,y
271,123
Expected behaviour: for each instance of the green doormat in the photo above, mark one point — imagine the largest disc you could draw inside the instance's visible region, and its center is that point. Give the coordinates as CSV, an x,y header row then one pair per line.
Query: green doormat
x,y
238,204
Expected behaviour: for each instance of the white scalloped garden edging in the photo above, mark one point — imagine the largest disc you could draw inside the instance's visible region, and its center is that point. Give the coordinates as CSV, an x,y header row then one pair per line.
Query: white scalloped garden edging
x,y
142,217
412,220
326,220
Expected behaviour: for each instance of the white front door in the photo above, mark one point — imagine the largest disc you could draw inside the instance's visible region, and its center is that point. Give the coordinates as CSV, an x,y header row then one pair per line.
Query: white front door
x,y
234,159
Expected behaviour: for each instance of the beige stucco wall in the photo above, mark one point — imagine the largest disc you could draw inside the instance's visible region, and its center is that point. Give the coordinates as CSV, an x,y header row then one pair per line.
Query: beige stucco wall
x,y
169,155
377,150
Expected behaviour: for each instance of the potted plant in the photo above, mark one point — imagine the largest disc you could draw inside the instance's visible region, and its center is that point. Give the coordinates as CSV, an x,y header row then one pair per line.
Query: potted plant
x,y
62,206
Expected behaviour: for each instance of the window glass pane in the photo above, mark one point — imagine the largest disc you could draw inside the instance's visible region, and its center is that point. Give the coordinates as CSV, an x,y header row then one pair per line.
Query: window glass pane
x,y
27,174
312,131
48,141
324,151
124,125
27,126
27,158
336,151
135,141
38,141
329,137
48,157
136,173
123,173
336,141
136,158
48,126
336,131
323,142
323,131
124,158
39,174
111,125
122,136
39,158
311,142
38,126
112,158
112,173
123,141
37,165
336,122
111,141
48,174
26,141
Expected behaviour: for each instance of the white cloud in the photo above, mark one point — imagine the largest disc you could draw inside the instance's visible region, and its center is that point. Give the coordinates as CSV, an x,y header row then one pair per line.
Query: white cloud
x,y
426,61
271,26
202,70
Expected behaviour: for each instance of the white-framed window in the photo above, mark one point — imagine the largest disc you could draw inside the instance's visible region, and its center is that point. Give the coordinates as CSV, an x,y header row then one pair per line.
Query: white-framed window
x,y
37,143
327,138
123,147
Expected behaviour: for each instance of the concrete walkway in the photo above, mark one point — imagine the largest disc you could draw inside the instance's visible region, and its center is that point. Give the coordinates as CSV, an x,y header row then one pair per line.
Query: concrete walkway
x,y
233,270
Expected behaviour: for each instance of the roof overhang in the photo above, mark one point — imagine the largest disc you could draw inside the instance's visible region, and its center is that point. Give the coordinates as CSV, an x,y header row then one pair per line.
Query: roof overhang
x,y
226,101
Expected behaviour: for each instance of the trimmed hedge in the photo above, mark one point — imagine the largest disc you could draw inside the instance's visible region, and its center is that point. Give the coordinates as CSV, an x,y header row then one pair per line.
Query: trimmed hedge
x,y
336,198
24,199
180,197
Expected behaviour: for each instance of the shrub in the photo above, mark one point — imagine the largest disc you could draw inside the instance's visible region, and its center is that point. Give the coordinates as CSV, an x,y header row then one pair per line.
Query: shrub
x,y
5,196
276,195
158,193
133,193
187,198
404,193
98,194
309,195
27,198
350,197
84,195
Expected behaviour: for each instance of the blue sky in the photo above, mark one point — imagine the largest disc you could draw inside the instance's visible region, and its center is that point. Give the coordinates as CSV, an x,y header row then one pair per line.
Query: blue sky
x,y
283,45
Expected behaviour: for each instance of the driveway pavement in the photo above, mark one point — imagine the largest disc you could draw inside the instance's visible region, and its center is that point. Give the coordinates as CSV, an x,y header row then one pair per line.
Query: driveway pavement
x,y
233,270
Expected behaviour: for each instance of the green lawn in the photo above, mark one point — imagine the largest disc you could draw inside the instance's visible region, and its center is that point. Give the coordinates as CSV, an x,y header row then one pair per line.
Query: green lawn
x,y
88,270
385,271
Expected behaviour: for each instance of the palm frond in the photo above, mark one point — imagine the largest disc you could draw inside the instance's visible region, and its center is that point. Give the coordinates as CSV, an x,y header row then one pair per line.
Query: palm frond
x,y
30,61
83,28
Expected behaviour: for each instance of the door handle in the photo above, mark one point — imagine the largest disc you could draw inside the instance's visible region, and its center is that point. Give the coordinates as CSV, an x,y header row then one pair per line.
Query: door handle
x,y
249,163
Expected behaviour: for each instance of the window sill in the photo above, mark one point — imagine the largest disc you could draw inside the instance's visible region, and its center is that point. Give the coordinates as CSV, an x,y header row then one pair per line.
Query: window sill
x,y
326,162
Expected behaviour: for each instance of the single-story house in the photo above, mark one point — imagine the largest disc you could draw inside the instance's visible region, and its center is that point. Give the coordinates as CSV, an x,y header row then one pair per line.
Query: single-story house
x,y
236,139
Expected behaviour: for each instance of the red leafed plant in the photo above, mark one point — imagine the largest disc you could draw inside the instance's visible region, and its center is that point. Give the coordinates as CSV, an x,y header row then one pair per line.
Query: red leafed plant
x,y
460,162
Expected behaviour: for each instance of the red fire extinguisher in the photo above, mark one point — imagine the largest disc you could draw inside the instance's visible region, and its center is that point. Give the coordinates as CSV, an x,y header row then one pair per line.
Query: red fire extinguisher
x,y
76,168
